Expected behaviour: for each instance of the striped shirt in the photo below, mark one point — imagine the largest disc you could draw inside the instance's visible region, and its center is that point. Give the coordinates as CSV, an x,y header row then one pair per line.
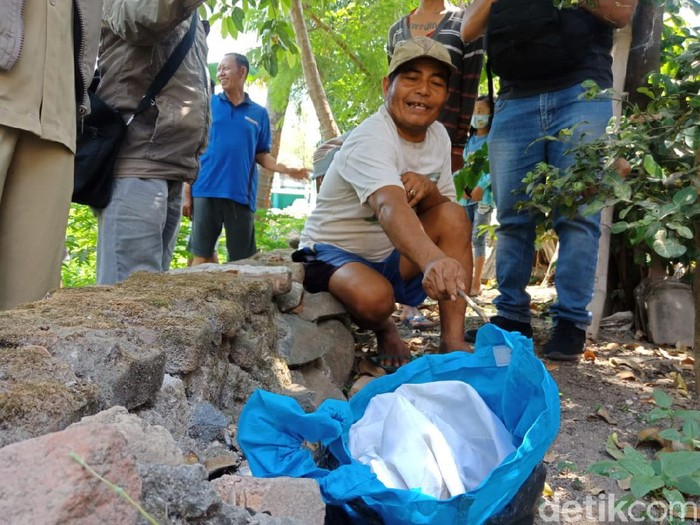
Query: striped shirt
x,y
467,57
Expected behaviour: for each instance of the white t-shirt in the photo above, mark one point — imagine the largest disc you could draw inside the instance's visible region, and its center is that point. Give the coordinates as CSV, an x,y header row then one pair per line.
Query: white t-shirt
x,y
373,156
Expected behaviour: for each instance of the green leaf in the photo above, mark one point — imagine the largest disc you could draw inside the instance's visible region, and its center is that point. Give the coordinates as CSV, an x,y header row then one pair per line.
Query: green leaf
x,y
637,466
646,91
238,15
679,463
609,469
623,192
671,434
688,485
691,429
612,448
619,227
652,168
675,499
643,485
686,196
681,230
668,248
662,399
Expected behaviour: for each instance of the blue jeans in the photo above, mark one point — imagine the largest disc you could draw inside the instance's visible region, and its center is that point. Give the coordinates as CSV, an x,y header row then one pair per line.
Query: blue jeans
x,y
482,217
517,123
137,231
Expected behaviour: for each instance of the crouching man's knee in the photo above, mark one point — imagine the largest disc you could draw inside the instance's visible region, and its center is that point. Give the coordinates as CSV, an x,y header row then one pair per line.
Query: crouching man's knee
x,y
372,306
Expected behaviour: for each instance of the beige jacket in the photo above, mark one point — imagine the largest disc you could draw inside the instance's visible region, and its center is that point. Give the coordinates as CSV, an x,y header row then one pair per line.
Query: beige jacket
x,y
34,38
164,141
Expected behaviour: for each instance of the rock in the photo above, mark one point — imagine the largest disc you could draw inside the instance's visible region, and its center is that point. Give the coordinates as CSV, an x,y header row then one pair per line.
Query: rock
x,y
289,301
182,495
300,393
207,424
317,378
279,277
148,444
340,358
297,498
41,483
170,408
127,369
40,394
221,463
301,341
238,388
320,306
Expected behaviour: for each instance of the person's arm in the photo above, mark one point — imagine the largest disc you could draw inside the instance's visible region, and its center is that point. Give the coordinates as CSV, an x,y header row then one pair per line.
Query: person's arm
x,y
442,275
267,161
187,200
147,22
615,12
476,15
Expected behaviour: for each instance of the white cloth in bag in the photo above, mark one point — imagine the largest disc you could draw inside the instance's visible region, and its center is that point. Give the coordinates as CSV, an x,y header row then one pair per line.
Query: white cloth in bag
x,y
440,438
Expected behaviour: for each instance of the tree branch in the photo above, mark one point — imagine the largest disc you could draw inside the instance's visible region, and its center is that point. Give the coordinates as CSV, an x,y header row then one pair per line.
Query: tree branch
x,y
338,41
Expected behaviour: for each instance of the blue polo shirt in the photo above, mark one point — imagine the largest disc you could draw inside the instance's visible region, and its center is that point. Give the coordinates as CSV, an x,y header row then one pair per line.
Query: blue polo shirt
x,y
228,168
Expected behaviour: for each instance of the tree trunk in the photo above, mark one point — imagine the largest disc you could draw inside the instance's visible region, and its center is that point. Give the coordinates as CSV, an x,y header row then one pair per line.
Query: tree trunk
x,y
696,287
620,51
329,129
645,53
696,296
275,85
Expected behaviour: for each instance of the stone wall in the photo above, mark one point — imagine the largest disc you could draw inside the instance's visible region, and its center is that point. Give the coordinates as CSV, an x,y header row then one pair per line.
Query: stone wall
x,y
180,352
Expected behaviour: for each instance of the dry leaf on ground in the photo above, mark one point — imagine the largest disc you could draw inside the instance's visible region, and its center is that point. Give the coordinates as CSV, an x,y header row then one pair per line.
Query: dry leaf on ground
x,y
365,367
624,484
626,375
603,413
589,355
358,385
550,366
547,492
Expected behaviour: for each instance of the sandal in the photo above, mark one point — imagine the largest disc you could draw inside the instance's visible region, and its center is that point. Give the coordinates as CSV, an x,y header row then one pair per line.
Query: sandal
x,y
418,322
378,359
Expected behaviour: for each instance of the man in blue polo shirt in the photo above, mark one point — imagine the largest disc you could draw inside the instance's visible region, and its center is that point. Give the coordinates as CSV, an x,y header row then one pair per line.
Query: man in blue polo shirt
x,y
225,191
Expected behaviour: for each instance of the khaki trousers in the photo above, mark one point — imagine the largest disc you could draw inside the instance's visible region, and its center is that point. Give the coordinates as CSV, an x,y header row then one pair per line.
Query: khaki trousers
x,y
36,183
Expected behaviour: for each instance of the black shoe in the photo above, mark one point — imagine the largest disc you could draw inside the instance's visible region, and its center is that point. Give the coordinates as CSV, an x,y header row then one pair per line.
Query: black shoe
x,y
509,325
567,342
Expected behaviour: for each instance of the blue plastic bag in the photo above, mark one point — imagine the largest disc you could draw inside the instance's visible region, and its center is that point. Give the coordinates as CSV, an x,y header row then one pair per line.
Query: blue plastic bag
x,y
279,438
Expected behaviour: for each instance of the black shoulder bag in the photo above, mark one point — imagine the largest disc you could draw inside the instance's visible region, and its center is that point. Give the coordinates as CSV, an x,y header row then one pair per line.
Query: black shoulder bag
x,y
103,131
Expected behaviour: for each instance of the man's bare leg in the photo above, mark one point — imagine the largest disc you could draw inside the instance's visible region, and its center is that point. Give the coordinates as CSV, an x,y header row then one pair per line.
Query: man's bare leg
x,y
197,260
447,225
369,298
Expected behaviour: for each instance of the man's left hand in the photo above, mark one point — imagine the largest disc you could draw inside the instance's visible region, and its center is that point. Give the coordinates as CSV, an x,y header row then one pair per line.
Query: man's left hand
x,y
417,187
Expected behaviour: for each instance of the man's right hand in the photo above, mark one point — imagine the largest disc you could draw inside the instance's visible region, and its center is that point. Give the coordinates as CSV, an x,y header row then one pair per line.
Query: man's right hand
x,y
442,277
187,207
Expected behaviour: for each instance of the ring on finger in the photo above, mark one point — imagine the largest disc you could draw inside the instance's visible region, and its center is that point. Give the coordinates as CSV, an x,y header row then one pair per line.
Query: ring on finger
x,y
412,193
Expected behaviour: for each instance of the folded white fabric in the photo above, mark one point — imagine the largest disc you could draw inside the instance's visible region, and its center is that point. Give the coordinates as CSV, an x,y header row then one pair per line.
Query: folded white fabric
x,y
440,438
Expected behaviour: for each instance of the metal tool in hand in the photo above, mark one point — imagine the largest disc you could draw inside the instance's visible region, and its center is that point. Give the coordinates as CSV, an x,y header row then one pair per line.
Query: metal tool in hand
x,y
472,303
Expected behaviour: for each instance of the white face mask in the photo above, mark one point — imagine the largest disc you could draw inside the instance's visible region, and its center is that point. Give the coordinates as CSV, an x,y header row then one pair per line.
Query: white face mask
x,y
480,121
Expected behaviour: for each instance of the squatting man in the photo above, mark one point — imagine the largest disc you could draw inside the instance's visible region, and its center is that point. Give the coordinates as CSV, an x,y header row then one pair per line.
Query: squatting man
x,y
386,228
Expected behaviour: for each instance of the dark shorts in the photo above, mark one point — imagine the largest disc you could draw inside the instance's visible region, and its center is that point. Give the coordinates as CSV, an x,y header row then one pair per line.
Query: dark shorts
x,y
321,262
210,214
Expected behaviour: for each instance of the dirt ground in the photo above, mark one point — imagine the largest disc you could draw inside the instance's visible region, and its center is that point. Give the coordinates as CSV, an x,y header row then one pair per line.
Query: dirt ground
x,y
607,392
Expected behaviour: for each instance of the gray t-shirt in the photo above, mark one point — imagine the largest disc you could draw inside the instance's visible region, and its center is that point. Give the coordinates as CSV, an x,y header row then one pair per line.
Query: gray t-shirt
x,y
372,157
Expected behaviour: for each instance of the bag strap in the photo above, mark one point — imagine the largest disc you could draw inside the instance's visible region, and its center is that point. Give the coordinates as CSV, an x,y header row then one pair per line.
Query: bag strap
x,y
168,69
